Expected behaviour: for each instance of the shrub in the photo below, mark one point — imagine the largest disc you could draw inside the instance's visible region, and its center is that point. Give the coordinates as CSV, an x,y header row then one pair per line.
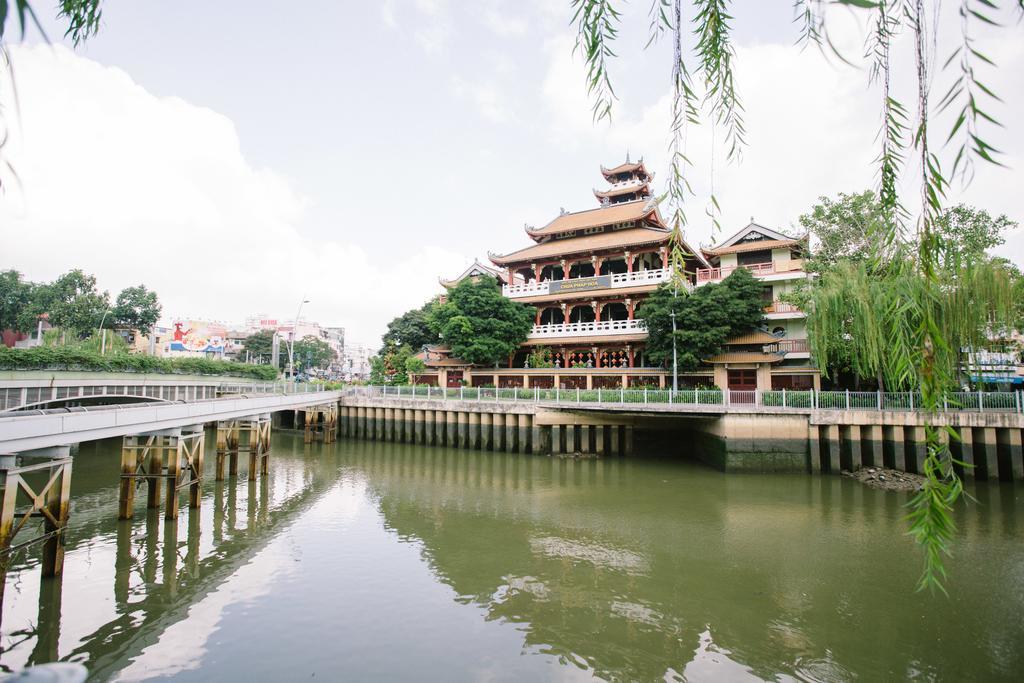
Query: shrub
x,y
64,358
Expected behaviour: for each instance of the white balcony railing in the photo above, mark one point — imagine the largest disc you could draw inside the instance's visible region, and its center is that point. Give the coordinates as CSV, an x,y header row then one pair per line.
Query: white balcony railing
x,y
588,284
600,327
758,269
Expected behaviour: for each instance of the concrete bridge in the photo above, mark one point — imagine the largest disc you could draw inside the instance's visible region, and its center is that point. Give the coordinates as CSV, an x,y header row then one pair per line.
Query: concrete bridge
x,y
163,447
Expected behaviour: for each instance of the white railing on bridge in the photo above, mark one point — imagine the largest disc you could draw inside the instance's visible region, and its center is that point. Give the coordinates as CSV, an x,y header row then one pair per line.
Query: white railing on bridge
x,y
597,327
635,279
974,401
269,388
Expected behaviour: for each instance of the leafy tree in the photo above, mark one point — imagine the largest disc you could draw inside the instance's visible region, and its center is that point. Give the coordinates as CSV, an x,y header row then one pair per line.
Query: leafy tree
x,y
312,352
845,228
73,302
261,344
480,324
412,329
705,318
390,366
852,226
414,365
967,233
15,298
136,308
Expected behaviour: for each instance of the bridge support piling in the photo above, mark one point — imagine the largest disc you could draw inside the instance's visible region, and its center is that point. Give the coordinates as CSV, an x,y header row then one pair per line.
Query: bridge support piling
x,y
524,433
627,440
917,447
439,423
474,431
871,445
511,432
486,431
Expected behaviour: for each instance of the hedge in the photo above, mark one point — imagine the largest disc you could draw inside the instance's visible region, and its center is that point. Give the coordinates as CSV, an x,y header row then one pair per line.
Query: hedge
x,y
63,358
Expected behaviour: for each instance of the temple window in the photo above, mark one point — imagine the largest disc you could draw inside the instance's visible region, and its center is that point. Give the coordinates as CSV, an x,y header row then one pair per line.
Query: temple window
x,y
615,311
582,314
613,266
647,261
527,274
751,257
581,269
552,316
553,272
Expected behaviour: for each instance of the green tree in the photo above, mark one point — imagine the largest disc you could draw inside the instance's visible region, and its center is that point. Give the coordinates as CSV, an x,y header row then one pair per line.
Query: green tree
x,y
480,324
705,318
967,233
391,366
15,299
312,352
73,302
852,227
261,344
847,227
412,329
136,308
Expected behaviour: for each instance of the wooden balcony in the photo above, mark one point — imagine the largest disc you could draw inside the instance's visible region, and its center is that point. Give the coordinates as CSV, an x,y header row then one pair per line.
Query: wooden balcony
x,y
790,267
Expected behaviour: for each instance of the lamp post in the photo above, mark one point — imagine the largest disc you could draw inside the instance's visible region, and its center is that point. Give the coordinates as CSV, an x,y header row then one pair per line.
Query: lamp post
x,y
291,342
103,334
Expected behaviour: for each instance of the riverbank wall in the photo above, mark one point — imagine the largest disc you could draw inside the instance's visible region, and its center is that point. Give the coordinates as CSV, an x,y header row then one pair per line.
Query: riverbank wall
x,y
737,439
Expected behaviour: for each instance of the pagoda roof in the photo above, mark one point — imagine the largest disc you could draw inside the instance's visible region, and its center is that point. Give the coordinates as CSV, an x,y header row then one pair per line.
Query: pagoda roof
x,y
616,190
475,269
601,216
744,357
752,337
627,167
756,245
628,237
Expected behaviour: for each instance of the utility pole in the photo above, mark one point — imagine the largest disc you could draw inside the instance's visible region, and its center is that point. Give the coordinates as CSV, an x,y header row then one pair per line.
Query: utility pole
x,y
291,342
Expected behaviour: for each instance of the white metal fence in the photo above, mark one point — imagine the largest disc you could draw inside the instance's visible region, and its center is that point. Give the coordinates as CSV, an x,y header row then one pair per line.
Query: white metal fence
x,y
975,401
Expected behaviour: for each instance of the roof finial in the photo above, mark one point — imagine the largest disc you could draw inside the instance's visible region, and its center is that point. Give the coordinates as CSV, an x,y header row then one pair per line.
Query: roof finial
x,y
751,219
627,155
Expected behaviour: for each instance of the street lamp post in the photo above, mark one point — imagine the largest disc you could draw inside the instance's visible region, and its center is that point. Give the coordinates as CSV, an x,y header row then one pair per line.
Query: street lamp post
x,y
291,342
103,334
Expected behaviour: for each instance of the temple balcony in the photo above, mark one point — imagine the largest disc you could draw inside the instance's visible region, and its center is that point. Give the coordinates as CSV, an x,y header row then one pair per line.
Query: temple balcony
x,y
780,310
597,328
589,284
773,270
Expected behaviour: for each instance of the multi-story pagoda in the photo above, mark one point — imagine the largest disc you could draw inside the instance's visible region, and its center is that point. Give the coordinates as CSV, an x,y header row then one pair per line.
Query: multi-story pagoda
x,y
587,273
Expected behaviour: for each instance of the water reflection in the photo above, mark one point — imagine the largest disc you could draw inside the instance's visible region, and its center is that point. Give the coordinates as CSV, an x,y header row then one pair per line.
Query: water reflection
x,y
646,569
367,560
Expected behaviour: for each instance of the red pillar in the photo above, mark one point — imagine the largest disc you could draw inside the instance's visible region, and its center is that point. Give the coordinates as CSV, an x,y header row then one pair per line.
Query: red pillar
x,y
664,257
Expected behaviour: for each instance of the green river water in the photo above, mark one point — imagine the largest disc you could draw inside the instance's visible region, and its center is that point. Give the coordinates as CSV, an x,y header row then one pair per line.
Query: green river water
x,y
376,561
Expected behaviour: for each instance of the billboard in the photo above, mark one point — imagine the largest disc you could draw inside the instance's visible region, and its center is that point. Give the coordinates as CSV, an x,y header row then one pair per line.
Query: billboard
x,y
582,284
198,336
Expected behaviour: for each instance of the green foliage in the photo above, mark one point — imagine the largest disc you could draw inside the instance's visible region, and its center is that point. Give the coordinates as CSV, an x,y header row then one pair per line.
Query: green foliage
x,y
262,344
705,318
870,321
136,308
312,352
540,357
83,17
390,366
852,227
479,324
412,329
846,228
15,297
71,358
414,365
73,302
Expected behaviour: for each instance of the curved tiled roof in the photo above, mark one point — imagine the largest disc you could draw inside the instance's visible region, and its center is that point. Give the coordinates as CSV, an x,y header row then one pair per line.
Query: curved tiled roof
x,y
624,168
604,240
605,215
757,245
753,337
616,190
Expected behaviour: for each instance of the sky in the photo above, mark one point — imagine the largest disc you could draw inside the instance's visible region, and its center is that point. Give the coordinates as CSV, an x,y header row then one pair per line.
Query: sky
x,y
239,158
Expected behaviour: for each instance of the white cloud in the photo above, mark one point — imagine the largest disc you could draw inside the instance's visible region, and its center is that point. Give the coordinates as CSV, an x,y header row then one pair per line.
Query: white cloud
x,y
488,99
138,188
496,16
811,125
387,13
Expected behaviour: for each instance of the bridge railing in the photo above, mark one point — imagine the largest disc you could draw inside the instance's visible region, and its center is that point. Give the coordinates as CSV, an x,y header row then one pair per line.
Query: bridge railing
x,y
975,401
269,388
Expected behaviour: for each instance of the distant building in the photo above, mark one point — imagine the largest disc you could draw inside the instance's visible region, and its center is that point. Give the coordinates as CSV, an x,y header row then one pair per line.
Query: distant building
x,y
355,364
